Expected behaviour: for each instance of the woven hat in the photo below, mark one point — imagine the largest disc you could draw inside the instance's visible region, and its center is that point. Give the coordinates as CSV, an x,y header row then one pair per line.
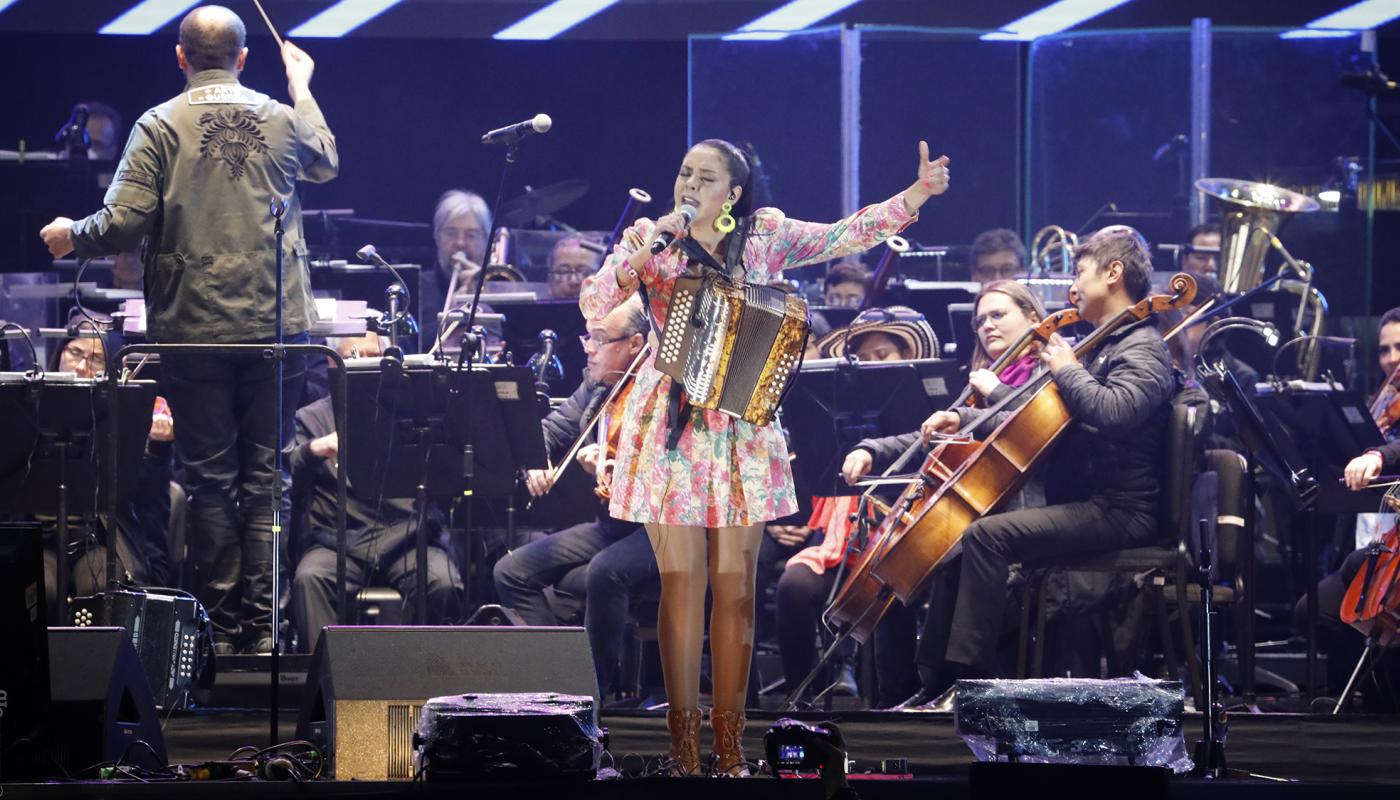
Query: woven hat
x,y
901,323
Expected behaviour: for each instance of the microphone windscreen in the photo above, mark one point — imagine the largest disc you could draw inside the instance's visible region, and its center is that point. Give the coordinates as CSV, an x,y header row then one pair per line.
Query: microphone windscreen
x,y
541,123
687,212
366,253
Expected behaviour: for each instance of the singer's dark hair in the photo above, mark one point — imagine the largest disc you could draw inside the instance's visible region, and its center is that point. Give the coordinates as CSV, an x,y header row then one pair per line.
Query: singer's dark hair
x,y
212,37
741,173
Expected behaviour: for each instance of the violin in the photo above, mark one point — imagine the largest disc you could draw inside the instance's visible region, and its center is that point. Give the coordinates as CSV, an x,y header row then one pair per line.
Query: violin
x,y
609,408
1385,409
610,432
930,517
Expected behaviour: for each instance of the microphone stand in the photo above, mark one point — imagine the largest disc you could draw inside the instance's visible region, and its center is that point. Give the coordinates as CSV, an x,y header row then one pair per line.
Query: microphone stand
x,y
278,208
465,358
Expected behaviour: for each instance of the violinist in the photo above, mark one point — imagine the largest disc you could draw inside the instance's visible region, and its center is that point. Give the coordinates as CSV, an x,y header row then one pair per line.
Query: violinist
x,y
1385,406
1004,311
602,560
1101,479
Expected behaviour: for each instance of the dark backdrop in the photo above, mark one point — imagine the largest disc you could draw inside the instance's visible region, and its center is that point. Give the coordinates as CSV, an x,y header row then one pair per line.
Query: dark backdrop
x,y
407,115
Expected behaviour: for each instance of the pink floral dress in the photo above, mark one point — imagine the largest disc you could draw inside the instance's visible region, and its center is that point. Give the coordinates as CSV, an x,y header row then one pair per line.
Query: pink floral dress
x,y
724,472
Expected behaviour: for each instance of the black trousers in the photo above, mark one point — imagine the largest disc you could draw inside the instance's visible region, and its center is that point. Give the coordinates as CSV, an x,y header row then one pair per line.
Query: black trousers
x,y
313,601
226,434
969,600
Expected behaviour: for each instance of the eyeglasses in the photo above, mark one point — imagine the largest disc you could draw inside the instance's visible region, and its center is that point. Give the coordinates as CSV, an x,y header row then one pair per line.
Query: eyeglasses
x,y
999,273
590,344
994,316
76,354
568,274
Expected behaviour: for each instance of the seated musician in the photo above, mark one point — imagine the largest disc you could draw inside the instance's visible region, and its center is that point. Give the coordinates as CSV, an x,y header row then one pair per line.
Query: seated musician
x,y
143,556
380,532
845,284
461,225
1201,255
1101,479
603,561
997,255
572,259
1004,311
1342,644
892,334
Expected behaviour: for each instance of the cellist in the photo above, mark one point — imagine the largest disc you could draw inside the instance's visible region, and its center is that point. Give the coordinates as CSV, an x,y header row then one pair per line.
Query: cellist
x,y
1342,644
1102,478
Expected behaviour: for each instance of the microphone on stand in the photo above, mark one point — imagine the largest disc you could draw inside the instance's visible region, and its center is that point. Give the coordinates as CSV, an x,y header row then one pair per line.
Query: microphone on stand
x,y
667,239
397,298
73,136
510,134
545,364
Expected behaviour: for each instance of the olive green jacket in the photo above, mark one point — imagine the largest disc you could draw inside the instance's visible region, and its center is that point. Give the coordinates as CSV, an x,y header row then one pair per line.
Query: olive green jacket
x,y
196,181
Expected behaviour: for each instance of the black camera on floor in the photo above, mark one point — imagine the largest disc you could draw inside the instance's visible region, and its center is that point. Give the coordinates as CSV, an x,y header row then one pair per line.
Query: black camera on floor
x,y
795,746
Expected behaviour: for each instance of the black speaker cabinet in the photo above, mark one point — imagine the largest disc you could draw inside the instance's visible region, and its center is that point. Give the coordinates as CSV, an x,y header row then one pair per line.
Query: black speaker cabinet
x,y
102,705
367,685
24,667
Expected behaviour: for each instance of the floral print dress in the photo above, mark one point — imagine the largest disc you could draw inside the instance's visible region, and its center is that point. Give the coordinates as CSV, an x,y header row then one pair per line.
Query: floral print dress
x,y
723,472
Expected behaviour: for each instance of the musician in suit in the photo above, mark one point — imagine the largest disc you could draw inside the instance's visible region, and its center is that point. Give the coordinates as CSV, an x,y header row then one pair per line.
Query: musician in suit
x,y
461,224
604,561
704,483
1101,479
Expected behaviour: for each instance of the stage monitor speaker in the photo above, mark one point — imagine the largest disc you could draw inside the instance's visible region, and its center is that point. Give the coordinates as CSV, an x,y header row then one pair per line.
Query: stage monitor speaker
x,y
367,685
24,667
102,708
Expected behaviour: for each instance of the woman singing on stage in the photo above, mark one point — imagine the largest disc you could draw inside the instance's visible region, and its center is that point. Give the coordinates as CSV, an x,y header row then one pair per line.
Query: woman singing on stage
x,y
705,495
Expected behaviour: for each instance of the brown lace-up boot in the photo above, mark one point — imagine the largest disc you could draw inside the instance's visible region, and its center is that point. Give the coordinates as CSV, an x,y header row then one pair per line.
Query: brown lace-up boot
x,y
684,727
729,744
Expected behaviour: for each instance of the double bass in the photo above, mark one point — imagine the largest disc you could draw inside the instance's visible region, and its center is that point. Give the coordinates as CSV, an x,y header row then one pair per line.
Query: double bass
x,y
926,524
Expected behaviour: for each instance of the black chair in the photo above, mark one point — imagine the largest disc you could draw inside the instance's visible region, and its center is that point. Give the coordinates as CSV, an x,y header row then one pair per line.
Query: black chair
x,y
1170,564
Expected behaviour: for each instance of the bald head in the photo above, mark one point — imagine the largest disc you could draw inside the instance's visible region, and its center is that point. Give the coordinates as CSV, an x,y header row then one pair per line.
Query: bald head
x,y
212,37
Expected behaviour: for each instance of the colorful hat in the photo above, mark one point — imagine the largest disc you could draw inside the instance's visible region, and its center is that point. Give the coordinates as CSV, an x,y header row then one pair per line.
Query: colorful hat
x,y
901,323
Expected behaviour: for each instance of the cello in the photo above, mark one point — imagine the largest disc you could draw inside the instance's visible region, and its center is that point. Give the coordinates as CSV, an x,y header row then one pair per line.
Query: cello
x,y
942,504
861,590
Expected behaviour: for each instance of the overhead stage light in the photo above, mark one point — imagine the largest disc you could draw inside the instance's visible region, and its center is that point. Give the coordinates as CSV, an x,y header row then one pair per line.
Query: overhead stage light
x,y
4,4
554,19
1056,17
793,16
341,18
1348,21
147,16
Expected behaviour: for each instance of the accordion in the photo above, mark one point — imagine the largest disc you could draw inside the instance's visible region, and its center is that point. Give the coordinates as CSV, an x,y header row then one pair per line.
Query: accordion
x,y
733,347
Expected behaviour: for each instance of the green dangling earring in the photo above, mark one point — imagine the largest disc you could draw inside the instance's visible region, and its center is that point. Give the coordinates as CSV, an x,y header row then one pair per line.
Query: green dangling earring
x,y
725,222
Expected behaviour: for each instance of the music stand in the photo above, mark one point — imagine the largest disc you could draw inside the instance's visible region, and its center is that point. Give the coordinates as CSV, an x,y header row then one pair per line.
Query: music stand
x,y
521,324
833,405
53,459
417,427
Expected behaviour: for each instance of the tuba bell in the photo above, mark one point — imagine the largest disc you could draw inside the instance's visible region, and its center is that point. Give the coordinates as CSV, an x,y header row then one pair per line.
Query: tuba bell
x,y
1252,215
1052,251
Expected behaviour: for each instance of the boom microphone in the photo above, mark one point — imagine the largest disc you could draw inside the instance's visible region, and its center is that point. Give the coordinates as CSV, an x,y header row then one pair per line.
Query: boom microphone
x,y
511,134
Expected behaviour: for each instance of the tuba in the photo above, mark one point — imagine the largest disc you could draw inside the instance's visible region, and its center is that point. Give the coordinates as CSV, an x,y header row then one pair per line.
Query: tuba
x,y
1052,251
1252,215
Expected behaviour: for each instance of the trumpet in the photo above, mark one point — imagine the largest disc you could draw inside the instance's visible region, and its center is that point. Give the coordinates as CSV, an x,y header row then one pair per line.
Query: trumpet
x,y
636,198
1052,251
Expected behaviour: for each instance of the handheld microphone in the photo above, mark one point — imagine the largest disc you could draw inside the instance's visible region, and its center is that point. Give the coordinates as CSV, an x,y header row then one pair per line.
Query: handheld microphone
x,y
511,134
667,239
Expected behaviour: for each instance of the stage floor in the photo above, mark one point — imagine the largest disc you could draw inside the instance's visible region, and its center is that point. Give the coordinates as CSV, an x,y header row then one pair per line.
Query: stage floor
x,y
1301,747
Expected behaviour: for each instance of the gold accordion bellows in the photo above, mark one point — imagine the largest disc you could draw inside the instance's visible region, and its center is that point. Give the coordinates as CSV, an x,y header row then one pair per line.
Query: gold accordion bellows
x,y
733,347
